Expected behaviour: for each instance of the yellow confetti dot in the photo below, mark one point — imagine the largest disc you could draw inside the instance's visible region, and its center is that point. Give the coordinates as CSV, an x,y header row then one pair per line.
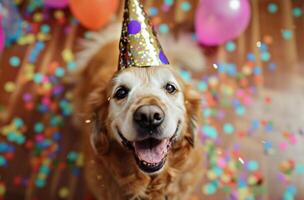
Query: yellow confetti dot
x,y
47,86
41,36
42,176
21,41
30,38
2,189
252,180
211,175
10,86
37,17
59,14
246,70
80,160
67,55
64,192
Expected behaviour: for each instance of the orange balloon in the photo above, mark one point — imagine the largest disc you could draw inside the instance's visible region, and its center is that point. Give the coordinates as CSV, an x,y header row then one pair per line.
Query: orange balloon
x,y
93,14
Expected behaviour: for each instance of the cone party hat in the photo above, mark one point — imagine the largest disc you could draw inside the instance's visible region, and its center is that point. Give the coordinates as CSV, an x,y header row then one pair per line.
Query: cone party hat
x,y
139,46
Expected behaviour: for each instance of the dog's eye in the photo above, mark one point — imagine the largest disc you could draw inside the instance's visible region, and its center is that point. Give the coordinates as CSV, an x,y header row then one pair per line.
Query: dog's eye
x,y
121,93
170,88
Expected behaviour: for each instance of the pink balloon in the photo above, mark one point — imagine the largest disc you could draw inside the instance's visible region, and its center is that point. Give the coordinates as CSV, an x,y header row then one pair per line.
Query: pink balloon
x,y
56,3
218,21
2,41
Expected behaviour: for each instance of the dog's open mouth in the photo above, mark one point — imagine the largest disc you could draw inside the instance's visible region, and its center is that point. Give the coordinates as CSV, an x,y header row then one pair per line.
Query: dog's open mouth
x,y
151,153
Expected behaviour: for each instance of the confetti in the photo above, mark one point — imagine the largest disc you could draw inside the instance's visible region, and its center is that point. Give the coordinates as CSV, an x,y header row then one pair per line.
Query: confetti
x,y
272,8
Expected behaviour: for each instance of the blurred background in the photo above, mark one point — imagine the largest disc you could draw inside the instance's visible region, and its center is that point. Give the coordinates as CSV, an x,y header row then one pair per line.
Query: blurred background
x,y
251,82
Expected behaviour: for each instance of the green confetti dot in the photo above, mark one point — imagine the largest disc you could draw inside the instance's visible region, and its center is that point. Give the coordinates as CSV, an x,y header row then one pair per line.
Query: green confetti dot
x,y
186,6
230,46
59,72
38,78
39,127
287,34
265,56
207,112
44,169
210,131
240,110
209,189
272,8
40,183
252,165
169,2
163,28
14,61
18,122
202,86
45,28
72,156
297,12
2,161
228,128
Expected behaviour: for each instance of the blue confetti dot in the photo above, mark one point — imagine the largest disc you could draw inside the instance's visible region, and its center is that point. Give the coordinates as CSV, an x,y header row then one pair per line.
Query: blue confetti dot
x,y
153,11
272,66
257,70
251,57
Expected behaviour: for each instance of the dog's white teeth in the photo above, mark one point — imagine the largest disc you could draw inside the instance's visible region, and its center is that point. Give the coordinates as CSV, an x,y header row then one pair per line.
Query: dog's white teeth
x,y
148,164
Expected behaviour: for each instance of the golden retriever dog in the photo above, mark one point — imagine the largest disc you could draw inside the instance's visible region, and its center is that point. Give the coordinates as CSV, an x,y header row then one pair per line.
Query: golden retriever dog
x,y
140,135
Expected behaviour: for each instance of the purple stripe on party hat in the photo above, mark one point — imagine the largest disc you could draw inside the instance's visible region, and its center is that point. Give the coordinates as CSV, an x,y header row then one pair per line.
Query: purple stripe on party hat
x,y
134,27
163,58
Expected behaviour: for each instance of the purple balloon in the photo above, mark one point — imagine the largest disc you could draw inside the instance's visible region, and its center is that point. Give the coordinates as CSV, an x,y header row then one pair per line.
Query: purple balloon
x,y
218,21
56,3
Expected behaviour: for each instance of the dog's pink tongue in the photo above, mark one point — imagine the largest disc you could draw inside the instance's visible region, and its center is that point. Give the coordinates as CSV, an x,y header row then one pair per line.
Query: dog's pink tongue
x,y
151,154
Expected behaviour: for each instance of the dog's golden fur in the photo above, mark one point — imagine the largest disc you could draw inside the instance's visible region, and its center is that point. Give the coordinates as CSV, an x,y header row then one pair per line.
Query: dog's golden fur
x,y
110,169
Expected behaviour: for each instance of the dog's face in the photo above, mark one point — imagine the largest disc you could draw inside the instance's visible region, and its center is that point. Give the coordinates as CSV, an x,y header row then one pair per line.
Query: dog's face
x,y
147,110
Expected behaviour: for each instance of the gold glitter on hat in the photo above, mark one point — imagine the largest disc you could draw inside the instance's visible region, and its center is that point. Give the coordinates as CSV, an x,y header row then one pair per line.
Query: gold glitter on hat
x,y
139,46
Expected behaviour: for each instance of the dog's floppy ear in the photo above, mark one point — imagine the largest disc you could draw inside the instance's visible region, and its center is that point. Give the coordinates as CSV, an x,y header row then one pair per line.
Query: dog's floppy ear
x,y
192,103
98,109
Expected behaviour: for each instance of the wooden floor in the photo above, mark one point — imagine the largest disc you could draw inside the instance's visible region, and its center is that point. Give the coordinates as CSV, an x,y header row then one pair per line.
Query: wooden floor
x,y
270,88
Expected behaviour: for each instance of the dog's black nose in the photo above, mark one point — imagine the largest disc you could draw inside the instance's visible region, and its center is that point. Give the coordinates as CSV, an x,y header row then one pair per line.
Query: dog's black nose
x,y
149,116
